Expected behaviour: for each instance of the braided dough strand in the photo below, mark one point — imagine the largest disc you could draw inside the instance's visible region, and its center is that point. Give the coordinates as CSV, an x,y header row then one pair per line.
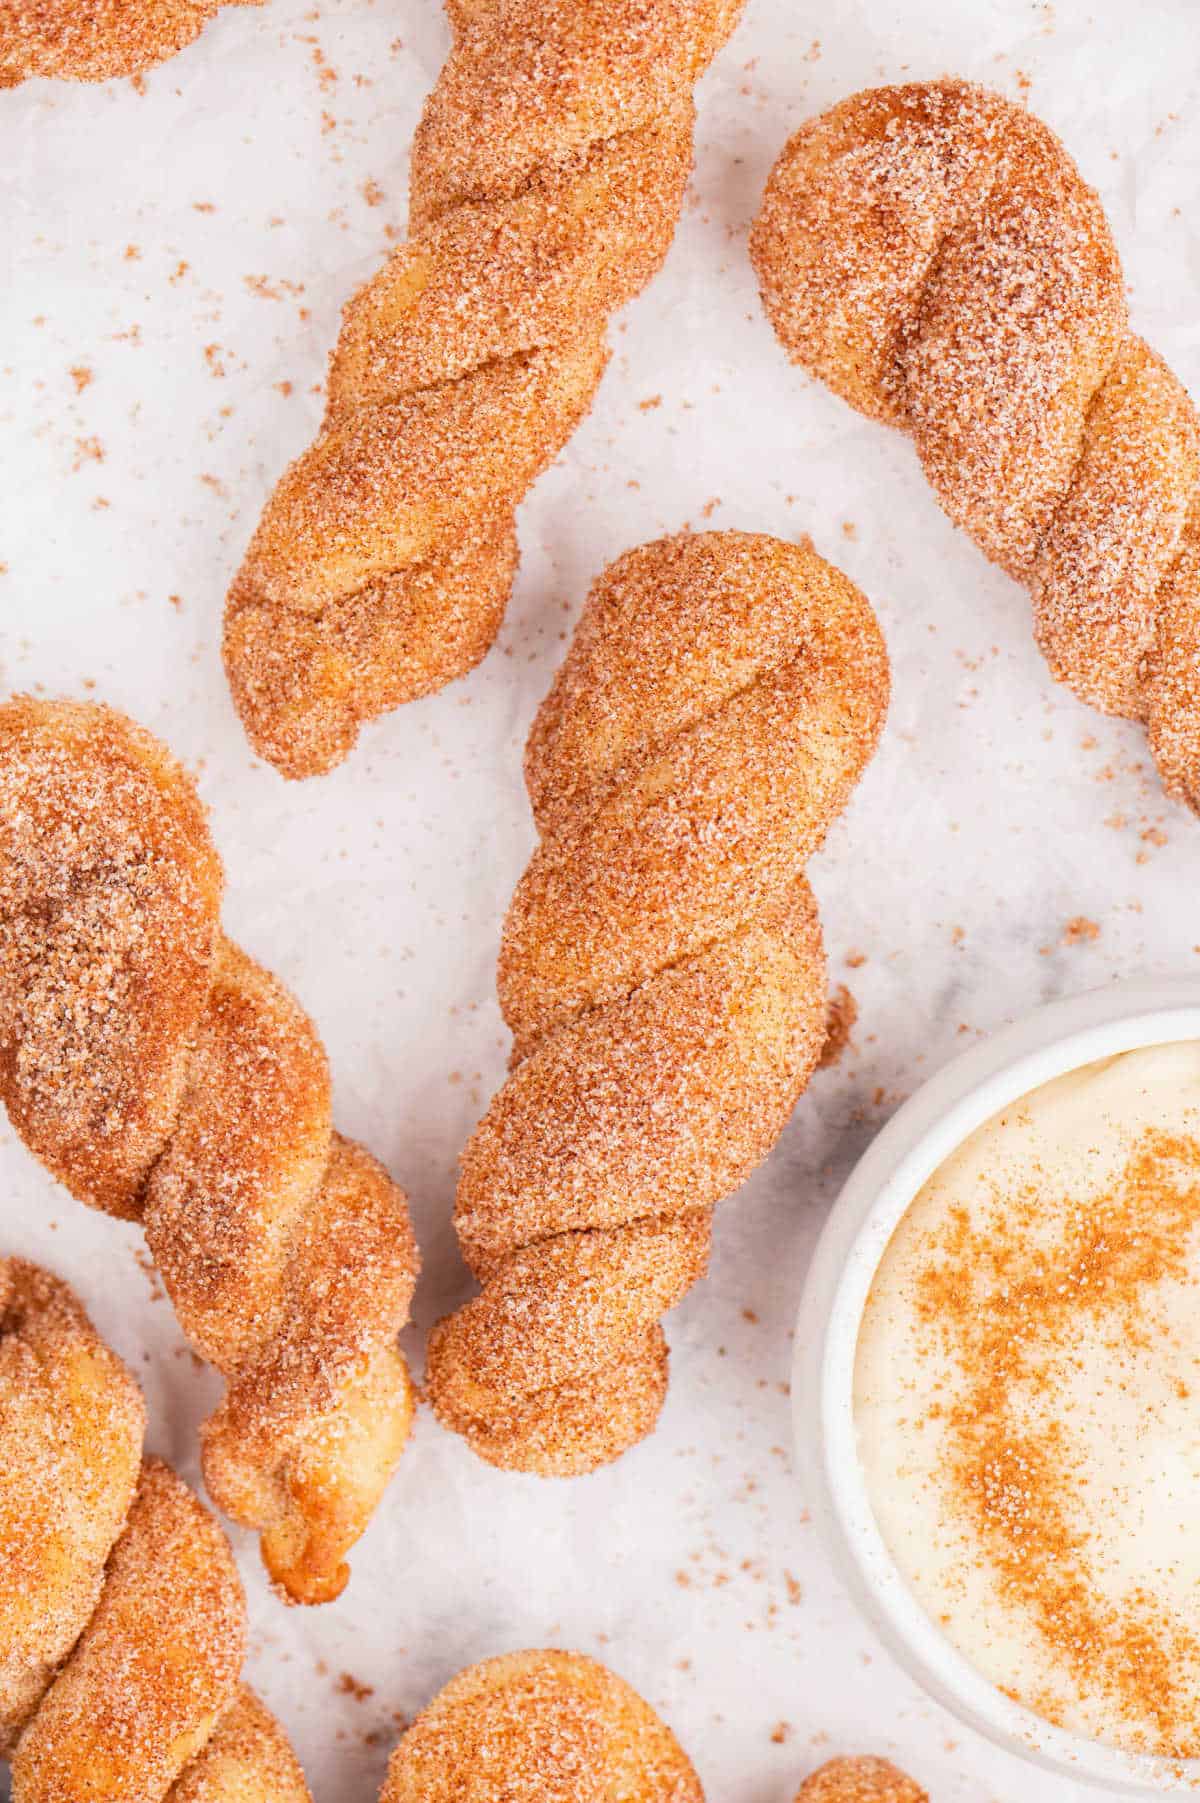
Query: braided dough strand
x,y
97,40
548,174
165,1077
662,972
932,253
548,1727
122,1620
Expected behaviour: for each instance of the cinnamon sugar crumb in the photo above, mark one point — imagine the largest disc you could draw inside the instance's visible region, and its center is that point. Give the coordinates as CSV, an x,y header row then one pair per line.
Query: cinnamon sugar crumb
x,y
87,450
841,1014
350,1686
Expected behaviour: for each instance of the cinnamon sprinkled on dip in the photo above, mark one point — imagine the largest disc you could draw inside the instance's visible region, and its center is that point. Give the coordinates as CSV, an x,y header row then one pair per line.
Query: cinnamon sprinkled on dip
x,y
1027,1395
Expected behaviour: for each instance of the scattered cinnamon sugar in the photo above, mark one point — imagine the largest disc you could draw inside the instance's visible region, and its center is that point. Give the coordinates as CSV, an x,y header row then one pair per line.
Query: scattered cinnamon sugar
x,y
149,1271
327,75
1003,1303
350,1686
1081,931
81,375
841,1014
87,450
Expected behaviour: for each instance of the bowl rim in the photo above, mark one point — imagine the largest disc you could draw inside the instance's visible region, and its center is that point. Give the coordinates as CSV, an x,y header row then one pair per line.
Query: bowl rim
x,y
967,1091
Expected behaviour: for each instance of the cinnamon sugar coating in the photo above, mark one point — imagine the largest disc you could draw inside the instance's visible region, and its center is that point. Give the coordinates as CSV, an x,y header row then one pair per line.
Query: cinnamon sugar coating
x,y
862,1780
97,40
165,1077
122,1617
71,1426
246,1760
662,971
932,253
546,1727
548,172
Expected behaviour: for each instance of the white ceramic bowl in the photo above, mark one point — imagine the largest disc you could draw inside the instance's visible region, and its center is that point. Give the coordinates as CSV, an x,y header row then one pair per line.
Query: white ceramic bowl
x,y
918,1138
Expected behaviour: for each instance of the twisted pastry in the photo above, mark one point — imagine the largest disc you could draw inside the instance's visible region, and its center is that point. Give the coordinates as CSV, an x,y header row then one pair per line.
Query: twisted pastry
x,y
862,1780
662,972
96,40
548,172
122,1620
933,253
164,1077
546,1727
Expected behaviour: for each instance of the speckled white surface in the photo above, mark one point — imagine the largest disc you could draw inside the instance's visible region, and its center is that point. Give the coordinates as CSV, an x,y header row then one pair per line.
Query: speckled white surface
x,y
189,247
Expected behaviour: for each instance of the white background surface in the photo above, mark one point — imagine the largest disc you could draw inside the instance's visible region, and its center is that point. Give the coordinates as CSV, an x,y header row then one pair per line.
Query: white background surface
x,y
997,811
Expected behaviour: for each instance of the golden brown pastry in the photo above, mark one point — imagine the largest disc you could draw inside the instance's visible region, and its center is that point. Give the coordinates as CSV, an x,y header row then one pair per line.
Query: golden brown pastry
x,y
165,1077
122,1620
96,40
542,1727
862,1780
662,972
932,252
547,176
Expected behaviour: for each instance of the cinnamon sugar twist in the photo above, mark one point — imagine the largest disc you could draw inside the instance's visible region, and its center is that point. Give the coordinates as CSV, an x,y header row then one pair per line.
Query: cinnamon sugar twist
x,y
662,972
96,40
122,1620
860,1780
545,1727
932,253
165,1077
548,172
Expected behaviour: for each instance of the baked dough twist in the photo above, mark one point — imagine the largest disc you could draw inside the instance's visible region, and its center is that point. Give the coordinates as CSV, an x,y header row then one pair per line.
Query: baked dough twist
x,y
96,40
548,172
662,972
122,1620
545,1727
861,1780
932,252
165,1077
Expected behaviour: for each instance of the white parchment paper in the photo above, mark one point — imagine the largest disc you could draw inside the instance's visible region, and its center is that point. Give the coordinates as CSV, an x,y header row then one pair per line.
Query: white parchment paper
x,y
174,261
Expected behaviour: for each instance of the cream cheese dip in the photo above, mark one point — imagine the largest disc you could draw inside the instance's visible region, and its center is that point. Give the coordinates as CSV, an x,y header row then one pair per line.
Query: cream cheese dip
x,y
1027,1400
